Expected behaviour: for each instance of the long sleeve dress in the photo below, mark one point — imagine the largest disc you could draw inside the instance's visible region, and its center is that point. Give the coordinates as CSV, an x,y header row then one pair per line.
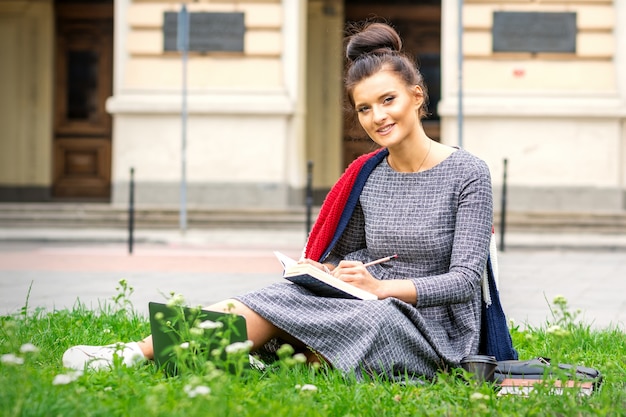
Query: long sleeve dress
x,y
439,223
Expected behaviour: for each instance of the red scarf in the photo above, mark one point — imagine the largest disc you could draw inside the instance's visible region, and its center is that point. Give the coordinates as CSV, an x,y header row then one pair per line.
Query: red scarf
x,y
339,205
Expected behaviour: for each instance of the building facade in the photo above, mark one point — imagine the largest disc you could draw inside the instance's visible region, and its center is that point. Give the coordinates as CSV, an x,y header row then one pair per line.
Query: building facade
x,y
91,91
558,118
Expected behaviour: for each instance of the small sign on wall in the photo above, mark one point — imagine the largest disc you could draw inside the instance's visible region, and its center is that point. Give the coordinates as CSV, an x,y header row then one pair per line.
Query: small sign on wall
x,y
208,32
534,32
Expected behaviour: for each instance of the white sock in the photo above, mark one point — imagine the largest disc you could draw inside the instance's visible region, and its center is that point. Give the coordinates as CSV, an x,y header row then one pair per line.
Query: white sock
x,y
136,356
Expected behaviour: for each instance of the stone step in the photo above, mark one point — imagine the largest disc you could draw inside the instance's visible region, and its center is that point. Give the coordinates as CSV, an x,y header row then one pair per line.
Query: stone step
x,y
564,222
106,216
99,215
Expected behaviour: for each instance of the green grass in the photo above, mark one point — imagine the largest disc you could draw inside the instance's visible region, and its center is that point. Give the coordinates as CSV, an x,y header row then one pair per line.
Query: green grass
x,y
27,389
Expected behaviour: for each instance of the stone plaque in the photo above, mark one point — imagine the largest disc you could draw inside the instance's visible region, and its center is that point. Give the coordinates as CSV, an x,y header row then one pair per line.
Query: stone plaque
x,y
534,32
208,32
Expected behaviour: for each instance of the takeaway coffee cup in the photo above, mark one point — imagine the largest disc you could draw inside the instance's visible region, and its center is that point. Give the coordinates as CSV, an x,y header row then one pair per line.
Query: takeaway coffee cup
x,y
481,366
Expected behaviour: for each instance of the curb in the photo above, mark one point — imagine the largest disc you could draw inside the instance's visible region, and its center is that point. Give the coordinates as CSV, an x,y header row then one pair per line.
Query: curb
x,y
284,237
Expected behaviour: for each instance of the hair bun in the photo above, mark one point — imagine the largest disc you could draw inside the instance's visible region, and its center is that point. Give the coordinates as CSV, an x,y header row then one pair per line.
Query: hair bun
x,y
373,38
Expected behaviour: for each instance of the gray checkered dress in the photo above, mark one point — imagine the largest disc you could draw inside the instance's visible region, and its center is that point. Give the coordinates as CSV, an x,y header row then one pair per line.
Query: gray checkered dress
x,y
439,223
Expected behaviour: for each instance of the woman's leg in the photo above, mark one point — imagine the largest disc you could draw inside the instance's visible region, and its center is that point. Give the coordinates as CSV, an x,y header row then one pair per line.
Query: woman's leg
x,y
260,331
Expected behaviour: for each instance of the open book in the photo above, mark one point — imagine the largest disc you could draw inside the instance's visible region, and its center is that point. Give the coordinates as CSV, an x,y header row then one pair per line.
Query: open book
x,y
319,281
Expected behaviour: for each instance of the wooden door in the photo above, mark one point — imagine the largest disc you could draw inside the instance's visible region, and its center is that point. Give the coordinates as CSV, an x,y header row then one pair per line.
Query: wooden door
x,y
419,24
82,127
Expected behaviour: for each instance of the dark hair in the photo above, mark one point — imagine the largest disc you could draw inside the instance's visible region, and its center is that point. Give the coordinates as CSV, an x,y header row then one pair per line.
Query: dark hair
x,y
372,46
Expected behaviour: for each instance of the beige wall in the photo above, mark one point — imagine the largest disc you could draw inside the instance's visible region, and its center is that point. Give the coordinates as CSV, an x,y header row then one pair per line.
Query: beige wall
x,y
589,69
255,118
324,91
558,119
245,124
26,34
259,67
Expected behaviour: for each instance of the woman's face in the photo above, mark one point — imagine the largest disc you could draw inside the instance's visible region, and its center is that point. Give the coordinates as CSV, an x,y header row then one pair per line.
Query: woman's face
x,y
387,109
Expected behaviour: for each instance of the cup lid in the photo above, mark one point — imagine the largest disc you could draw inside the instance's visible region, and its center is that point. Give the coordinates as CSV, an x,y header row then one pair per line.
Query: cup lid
x,y
480,359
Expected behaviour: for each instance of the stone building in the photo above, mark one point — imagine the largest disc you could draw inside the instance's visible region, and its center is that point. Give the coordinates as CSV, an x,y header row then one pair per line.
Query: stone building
x,y
91,89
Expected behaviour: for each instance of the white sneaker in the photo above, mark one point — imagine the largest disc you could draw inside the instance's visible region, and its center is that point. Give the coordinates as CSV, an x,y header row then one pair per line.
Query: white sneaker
x,y
100,357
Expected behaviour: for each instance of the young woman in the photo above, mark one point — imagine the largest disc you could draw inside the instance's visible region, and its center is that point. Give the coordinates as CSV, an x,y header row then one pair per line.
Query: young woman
x,y
428,203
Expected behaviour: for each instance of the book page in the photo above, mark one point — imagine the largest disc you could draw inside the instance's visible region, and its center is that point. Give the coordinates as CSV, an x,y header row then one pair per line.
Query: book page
x,y
285,260
324,284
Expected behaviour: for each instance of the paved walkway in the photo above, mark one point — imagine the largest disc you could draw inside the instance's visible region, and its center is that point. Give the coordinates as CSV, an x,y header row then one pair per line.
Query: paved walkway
x,y
56,268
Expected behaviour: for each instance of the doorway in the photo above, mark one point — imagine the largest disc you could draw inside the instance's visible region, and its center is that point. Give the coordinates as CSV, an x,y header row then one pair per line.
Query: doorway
x,y
419,24
83,82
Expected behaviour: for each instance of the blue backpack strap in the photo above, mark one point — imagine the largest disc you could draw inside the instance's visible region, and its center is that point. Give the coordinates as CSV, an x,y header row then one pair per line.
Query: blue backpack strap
x,y
495,338
353,199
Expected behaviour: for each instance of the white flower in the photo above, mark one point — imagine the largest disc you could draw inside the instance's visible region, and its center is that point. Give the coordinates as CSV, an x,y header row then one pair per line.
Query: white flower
x,y
239,347
184,345
308,387
64,379
106,331
198,390
203,390
554,329
12,359
29,348
177,300
299,358
477,396
557,330
196,332
208,324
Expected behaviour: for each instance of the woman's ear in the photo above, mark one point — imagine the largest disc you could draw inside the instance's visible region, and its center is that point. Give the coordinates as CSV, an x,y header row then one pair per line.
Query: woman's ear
x,y
418,95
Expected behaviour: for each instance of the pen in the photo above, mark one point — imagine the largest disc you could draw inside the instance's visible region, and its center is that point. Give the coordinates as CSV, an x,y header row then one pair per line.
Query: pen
x,y
381,260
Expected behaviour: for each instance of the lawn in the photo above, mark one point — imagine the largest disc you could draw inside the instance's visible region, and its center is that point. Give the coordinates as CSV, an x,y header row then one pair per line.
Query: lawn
x,y
34,382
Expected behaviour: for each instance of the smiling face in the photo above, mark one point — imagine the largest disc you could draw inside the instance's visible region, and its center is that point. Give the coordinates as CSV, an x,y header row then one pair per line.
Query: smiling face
x,y
388,109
